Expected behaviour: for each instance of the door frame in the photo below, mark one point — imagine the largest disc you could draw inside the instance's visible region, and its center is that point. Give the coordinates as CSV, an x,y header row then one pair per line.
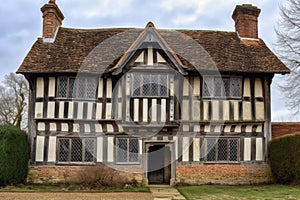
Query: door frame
x,y
171,145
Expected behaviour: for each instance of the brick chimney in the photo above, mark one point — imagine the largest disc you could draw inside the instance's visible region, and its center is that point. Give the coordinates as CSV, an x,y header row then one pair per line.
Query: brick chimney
x,y
52,19
245,17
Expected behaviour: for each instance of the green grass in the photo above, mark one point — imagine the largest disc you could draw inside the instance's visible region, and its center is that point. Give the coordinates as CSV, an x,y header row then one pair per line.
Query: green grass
x,y
71,189
264,192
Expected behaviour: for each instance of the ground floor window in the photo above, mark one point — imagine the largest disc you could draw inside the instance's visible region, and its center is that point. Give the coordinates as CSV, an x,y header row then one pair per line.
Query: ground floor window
x,y
127,151
222,150
76,150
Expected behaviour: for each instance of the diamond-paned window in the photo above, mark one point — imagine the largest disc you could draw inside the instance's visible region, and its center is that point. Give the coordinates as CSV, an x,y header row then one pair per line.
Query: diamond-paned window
x,y
63,90
222,150
76,150
127,150
77,88
149,85
229,87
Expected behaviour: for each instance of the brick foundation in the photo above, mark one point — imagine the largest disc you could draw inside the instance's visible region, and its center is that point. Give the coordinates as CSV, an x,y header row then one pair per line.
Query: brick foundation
x,y
59,174
223,174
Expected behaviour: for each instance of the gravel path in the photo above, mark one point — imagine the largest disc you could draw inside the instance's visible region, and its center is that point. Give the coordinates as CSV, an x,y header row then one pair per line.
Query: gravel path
x,y
74,196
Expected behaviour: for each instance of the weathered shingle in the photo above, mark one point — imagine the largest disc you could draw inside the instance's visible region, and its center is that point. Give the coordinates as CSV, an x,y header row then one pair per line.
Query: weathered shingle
x,y
99,49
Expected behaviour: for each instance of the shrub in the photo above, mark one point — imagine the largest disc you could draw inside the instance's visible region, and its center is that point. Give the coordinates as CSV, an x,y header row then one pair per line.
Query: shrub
x,y
284,156
13,155
100,177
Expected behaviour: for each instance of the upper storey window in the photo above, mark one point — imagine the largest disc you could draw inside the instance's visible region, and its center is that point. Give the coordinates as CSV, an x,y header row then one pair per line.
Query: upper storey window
x,y
215,86
77,88
150,85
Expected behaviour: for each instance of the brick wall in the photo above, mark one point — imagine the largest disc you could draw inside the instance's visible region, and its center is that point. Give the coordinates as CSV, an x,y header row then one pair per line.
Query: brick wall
x,y
284,128
59,174
223,174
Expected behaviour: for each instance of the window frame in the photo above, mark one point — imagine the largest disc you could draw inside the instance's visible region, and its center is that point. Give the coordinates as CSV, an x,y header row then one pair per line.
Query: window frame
x,y
223,91
158,84
69,95
83,150
128,162
216,146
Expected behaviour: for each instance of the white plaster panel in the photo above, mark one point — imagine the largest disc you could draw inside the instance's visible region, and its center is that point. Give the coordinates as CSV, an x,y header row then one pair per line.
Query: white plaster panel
x,y
108,110
196,150
99,149
163,110
80,110
215,110
64,127
258,88
185,149
136,110
71,108
99,111
247,114
61,109
197,110
40,143
38,110
145,110
51,87
110,149
52,149
100,88
260,110
53,127
51,110
41,126
196,88
226,110
154,110
185,110
259,149
108,88
247,92
40,87
247,149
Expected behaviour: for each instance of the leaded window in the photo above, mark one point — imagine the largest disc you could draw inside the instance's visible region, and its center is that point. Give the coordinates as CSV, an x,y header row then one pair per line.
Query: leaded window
x,y
127,150
76,150
222,150
229,87
150,85
77,88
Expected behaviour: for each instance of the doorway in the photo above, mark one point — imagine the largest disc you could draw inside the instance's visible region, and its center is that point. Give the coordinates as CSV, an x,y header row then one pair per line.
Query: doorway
x,y
159,164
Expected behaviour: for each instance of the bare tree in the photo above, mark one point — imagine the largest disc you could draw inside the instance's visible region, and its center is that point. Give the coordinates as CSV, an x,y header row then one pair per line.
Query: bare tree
x,y
13,101
288,49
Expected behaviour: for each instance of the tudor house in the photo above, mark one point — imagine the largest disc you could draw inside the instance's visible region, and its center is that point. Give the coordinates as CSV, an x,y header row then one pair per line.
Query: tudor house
x,y
170,105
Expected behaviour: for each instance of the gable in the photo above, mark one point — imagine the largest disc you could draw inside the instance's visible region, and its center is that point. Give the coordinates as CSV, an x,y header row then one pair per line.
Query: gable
x,y
150,50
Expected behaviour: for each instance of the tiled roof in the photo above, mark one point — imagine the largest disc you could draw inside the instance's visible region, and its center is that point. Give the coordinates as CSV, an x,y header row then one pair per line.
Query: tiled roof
x,y
99,49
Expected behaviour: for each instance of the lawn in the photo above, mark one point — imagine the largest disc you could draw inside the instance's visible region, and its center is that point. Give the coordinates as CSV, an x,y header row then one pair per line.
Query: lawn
x,y
240,192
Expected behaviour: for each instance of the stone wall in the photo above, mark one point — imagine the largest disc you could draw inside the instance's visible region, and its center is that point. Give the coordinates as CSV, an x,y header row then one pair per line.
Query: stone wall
x,y
224,174
284,128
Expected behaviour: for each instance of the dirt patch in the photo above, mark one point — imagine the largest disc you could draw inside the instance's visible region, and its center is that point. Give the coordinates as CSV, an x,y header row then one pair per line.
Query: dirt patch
x,y
75,196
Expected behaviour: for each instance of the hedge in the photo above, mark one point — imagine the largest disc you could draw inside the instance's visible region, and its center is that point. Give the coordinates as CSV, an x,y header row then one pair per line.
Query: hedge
x,y
284,156
13,155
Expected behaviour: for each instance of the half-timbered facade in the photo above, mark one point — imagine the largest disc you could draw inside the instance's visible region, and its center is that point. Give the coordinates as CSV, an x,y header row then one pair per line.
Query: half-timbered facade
x,y
150,101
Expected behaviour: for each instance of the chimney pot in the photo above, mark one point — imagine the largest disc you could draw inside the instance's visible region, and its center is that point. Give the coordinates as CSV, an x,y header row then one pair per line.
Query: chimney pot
x,y
245,17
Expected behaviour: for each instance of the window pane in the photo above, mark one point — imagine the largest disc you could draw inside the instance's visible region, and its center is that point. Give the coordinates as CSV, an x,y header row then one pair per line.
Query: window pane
x,y
146,85
154,85
208,86
163,85
122,150
80,87
218,87
90,88
136,85
222,149
133,150
62,90
226,82
89,150
72,89
76,150
233,150
63,150
211,149
235,87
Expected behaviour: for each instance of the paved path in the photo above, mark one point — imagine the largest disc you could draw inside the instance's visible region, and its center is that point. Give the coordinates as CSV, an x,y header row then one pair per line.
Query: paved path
x,y
165,192
75,196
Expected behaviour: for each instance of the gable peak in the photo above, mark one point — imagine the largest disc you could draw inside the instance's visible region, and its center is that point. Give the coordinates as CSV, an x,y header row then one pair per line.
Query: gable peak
x,y
150,25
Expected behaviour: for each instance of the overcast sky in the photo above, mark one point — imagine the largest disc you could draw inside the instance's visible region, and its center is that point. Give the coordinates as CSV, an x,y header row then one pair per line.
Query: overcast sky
x,y
21,24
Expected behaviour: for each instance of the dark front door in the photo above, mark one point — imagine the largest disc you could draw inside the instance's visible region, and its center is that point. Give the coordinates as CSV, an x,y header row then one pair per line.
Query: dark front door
x,y
159,167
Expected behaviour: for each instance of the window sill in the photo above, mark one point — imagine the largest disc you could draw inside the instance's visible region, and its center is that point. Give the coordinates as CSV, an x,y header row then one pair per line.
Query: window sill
x,y
128,163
